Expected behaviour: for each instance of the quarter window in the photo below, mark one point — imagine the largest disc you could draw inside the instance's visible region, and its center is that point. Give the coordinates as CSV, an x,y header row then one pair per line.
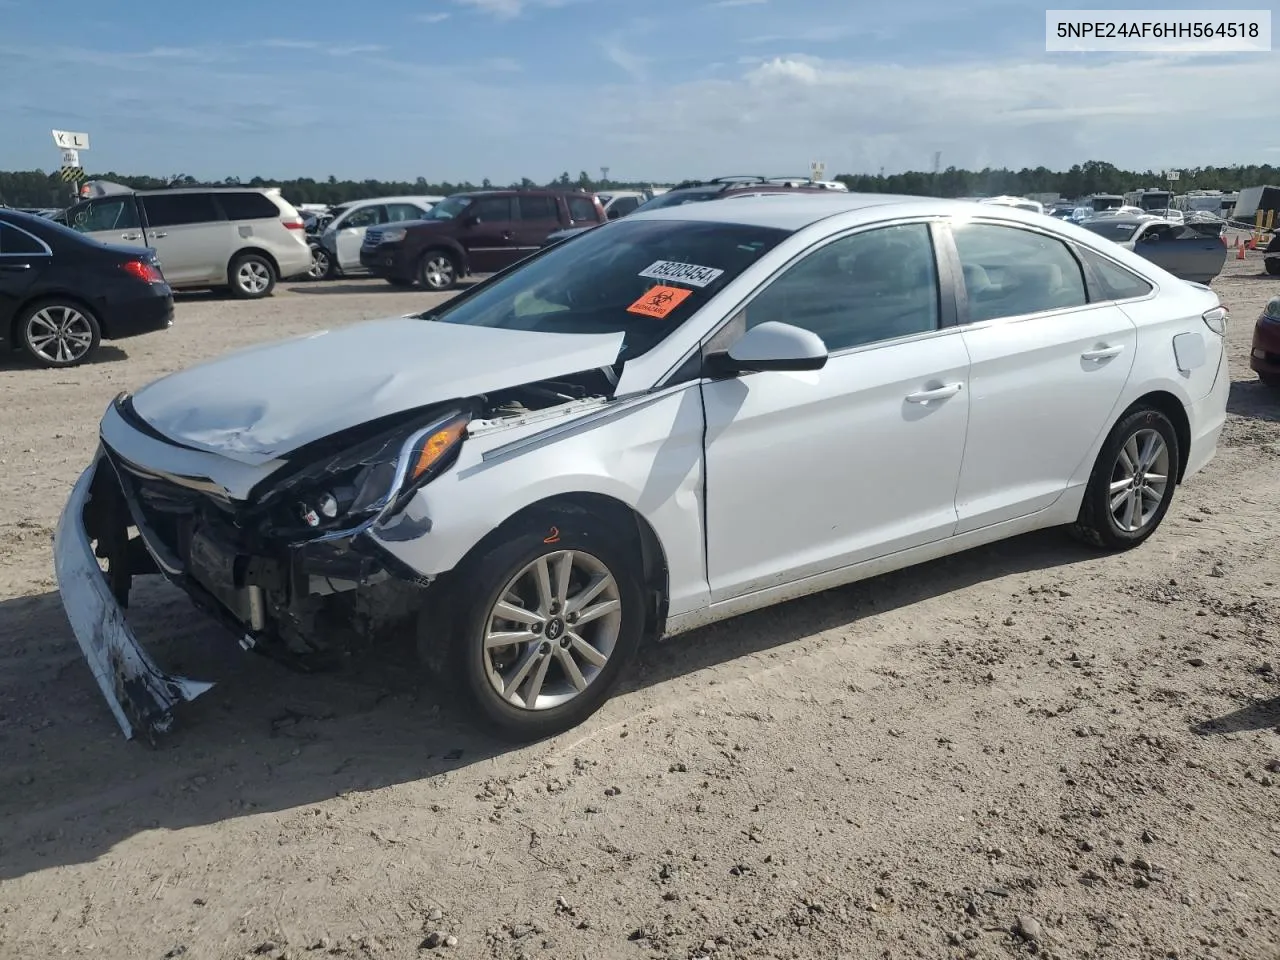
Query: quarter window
x,y
15,242
177,209
1010,272
248,206
877,285
1116,282
582,208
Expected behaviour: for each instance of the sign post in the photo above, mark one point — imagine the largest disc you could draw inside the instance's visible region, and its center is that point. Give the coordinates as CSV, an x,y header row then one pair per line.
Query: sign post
x,y
70,143
817,170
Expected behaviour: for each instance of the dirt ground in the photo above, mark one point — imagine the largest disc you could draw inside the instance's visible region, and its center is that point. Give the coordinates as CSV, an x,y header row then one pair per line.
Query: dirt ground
x,y
1026,749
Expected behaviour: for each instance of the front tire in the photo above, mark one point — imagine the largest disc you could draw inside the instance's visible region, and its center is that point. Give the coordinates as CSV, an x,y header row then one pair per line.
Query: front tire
x,y
546,626
437,271
1272,265
321,263
252,277
58,333
1132,483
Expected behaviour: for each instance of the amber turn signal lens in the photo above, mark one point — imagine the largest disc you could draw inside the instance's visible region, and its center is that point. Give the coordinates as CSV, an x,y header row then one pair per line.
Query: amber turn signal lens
x,y
435,446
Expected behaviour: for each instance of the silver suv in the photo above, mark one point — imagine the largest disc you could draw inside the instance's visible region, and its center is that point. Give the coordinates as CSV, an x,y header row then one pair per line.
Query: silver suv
x,y
241,238
339,243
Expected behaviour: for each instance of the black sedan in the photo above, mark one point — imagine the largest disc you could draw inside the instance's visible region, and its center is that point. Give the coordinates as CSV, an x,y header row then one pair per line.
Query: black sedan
x,y
61,293
1185,251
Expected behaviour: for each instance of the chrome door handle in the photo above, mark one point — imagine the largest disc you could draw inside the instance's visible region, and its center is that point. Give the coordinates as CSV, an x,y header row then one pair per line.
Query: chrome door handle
x,y
1102,353
130,236
156,236
940,393
15,266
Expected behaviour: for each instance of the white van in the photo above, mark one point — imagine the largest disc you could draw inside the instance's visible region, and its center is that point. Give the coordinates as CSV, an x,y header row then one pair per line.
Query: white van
x,y
241,238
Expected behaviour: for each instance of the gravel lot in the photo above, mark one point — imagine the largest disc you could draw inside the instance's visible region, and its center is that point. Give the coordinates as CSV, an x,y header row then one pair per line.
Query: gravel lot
x,y
1025,749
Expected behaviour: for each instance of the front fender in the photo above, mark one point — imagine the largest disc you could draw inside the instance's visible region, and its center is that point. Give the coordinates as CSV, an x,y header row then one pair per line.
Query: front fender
x,y
648,456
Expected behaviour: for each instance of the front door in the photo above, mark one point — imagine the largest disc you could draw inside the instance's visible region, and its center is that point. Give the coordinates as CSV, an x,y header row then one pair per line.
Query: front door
x,y
809,472
537,217
190,236
488,234
1047,370
350,233
111,219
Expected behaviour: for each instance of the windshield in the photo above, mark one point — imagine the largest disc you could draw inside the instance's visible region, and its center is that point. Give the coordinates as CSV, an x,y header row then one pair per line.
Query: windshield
x,y
448,208
639,278
674,199
1119,232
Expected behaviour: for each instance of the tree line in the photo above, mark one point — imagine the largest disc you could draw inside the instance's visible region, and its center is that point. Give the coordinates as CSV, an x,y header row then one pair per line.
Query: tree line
x,y
37,188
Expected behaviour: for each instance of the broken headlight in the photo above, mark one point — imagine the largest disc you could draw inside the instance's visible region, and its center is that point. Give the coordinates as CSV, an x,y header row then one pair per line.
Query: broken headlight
x,y
364,481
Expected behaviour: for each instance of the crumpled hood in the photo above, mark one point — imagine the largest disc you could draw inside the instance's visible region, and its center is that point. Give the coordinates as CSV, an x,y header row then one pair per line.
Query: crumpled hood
x,y
259,404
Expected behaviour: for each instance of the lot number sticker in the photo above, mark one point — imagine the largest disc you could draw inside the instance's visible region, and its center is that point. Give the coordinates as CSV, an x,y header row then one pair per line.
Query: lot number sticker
x,y
659,301
689,273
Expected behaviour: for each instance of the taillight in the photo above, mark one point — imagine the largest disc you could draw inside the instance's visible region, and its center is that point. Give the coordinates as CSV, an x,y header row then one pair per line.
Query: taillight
x,y
294,223
146,272
1216,319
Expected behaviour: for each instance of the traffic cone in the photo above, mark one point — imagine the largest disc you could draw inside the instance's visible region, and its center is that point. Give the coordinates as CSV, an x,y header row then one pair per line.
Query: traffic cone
x,y
1239,252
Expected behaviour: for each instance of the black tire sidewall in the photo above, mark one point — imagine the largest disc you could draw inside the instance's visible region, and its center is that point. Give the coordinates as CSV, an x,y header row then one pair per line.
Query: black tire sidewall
x,y
1096,515
23,330
483,578
422,270
239,292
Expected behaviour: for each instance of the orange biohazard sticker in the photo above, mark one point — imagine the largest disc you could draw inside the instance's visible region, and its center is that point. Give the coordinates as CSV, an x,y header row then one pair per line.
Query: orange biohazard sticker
x,y
659,301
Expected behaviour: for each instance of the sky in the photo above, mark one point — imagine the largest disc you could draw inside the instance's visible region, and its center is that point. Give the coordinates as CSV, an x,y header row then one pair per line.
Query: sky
x,y
656,90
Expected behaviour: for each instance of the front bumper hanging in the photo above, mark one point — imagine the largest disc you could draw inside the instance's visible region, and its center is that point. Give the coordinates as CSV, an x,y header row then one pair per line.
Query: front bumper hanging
x,y
139,693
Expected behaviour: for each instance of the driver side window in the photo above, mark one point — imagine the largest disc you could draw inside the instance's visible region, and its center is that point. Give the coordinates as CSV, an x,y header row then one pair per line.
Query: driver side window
x,y
109,213
871,286
365,217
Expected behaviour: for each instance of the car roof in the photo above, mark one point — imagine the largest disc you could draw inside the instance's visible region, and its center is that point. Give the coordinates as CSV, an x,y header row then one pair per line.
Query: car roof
x,y
414,198
797,209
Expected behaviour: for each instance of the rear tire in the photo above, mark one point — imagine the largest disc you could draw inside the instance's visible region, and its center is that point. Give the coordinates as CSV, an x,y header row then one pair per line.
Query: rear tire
x,y
1273,265
1132,483
252,277
584,658
58,333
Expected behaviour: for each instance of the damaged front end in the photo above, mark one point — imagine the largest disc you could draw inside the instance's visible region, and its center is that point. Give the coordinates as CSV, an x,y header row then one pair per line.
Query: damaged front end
x,y
289,566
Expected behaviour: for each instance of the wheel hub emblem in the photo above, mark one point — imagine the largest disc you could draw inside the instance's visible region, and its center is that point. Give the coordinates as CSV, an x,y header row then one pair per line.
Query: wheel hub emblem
x,y
555,627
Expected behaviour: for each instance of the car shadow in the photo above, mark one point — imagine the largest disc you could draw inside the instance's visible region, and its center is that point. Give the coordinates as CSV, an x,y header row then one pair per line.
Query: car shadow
x,y
17,360
1254,399
1261,715
270,739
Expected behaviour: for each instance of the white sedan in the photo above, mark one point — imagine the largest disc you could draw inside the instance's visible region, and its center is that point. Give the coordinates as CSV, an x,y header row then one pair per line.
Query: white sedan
x,y
677,417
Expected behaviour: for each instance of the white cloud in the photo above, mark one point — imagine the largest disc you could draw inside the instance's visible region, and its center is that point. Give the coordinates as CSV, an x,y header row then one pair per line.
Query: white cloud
x,y
630,63
432,17
501,9
738,3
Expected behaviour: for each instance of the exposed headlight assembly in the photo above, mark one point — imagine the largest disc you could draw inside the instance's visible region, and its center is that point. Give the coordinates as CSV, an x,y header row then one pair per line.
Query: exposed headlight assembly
x,y
1272,310
393,234
366,481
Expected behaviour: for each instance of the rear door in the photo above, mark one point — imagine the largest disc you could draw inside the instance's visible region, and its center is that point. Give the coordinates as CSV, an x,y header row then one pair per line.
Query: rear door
x,y
191,237
112,219
1048,368
1184,252
23,257
537,217
487,231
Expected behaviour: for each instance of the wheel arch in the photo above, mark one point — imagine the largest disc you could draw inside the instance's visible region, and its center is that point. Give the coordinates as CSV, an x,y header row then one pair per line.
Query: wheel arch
x,y
617,514
450,246
1172,408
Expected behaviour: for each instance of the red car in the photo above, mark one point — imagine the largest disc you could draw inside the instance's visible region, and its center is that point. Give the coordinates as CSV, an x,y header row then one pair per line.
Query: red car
x,y
1265,356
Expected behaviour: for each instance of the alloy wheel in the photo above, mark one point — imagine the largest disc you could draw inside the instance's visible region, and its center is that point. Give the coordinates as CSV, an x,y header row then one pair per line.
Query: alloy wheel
x,y
59,334
253,277
552,630
319,263
438,272
1139,480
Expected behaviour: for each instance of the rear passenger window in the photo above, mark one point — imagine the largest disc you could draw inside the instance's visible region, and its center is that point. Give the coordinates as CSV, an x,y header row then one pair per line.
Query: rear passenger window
x,y
248,206
14,242
177,209
1010,272
622,206
1117,283
582,208
539,208
492,209
397,212
366,217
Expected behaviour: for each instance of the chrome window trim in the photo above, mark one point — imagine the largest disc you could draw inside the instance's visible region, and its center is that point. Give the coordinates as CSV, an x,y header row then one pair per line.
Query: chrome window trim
x,y
48,251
